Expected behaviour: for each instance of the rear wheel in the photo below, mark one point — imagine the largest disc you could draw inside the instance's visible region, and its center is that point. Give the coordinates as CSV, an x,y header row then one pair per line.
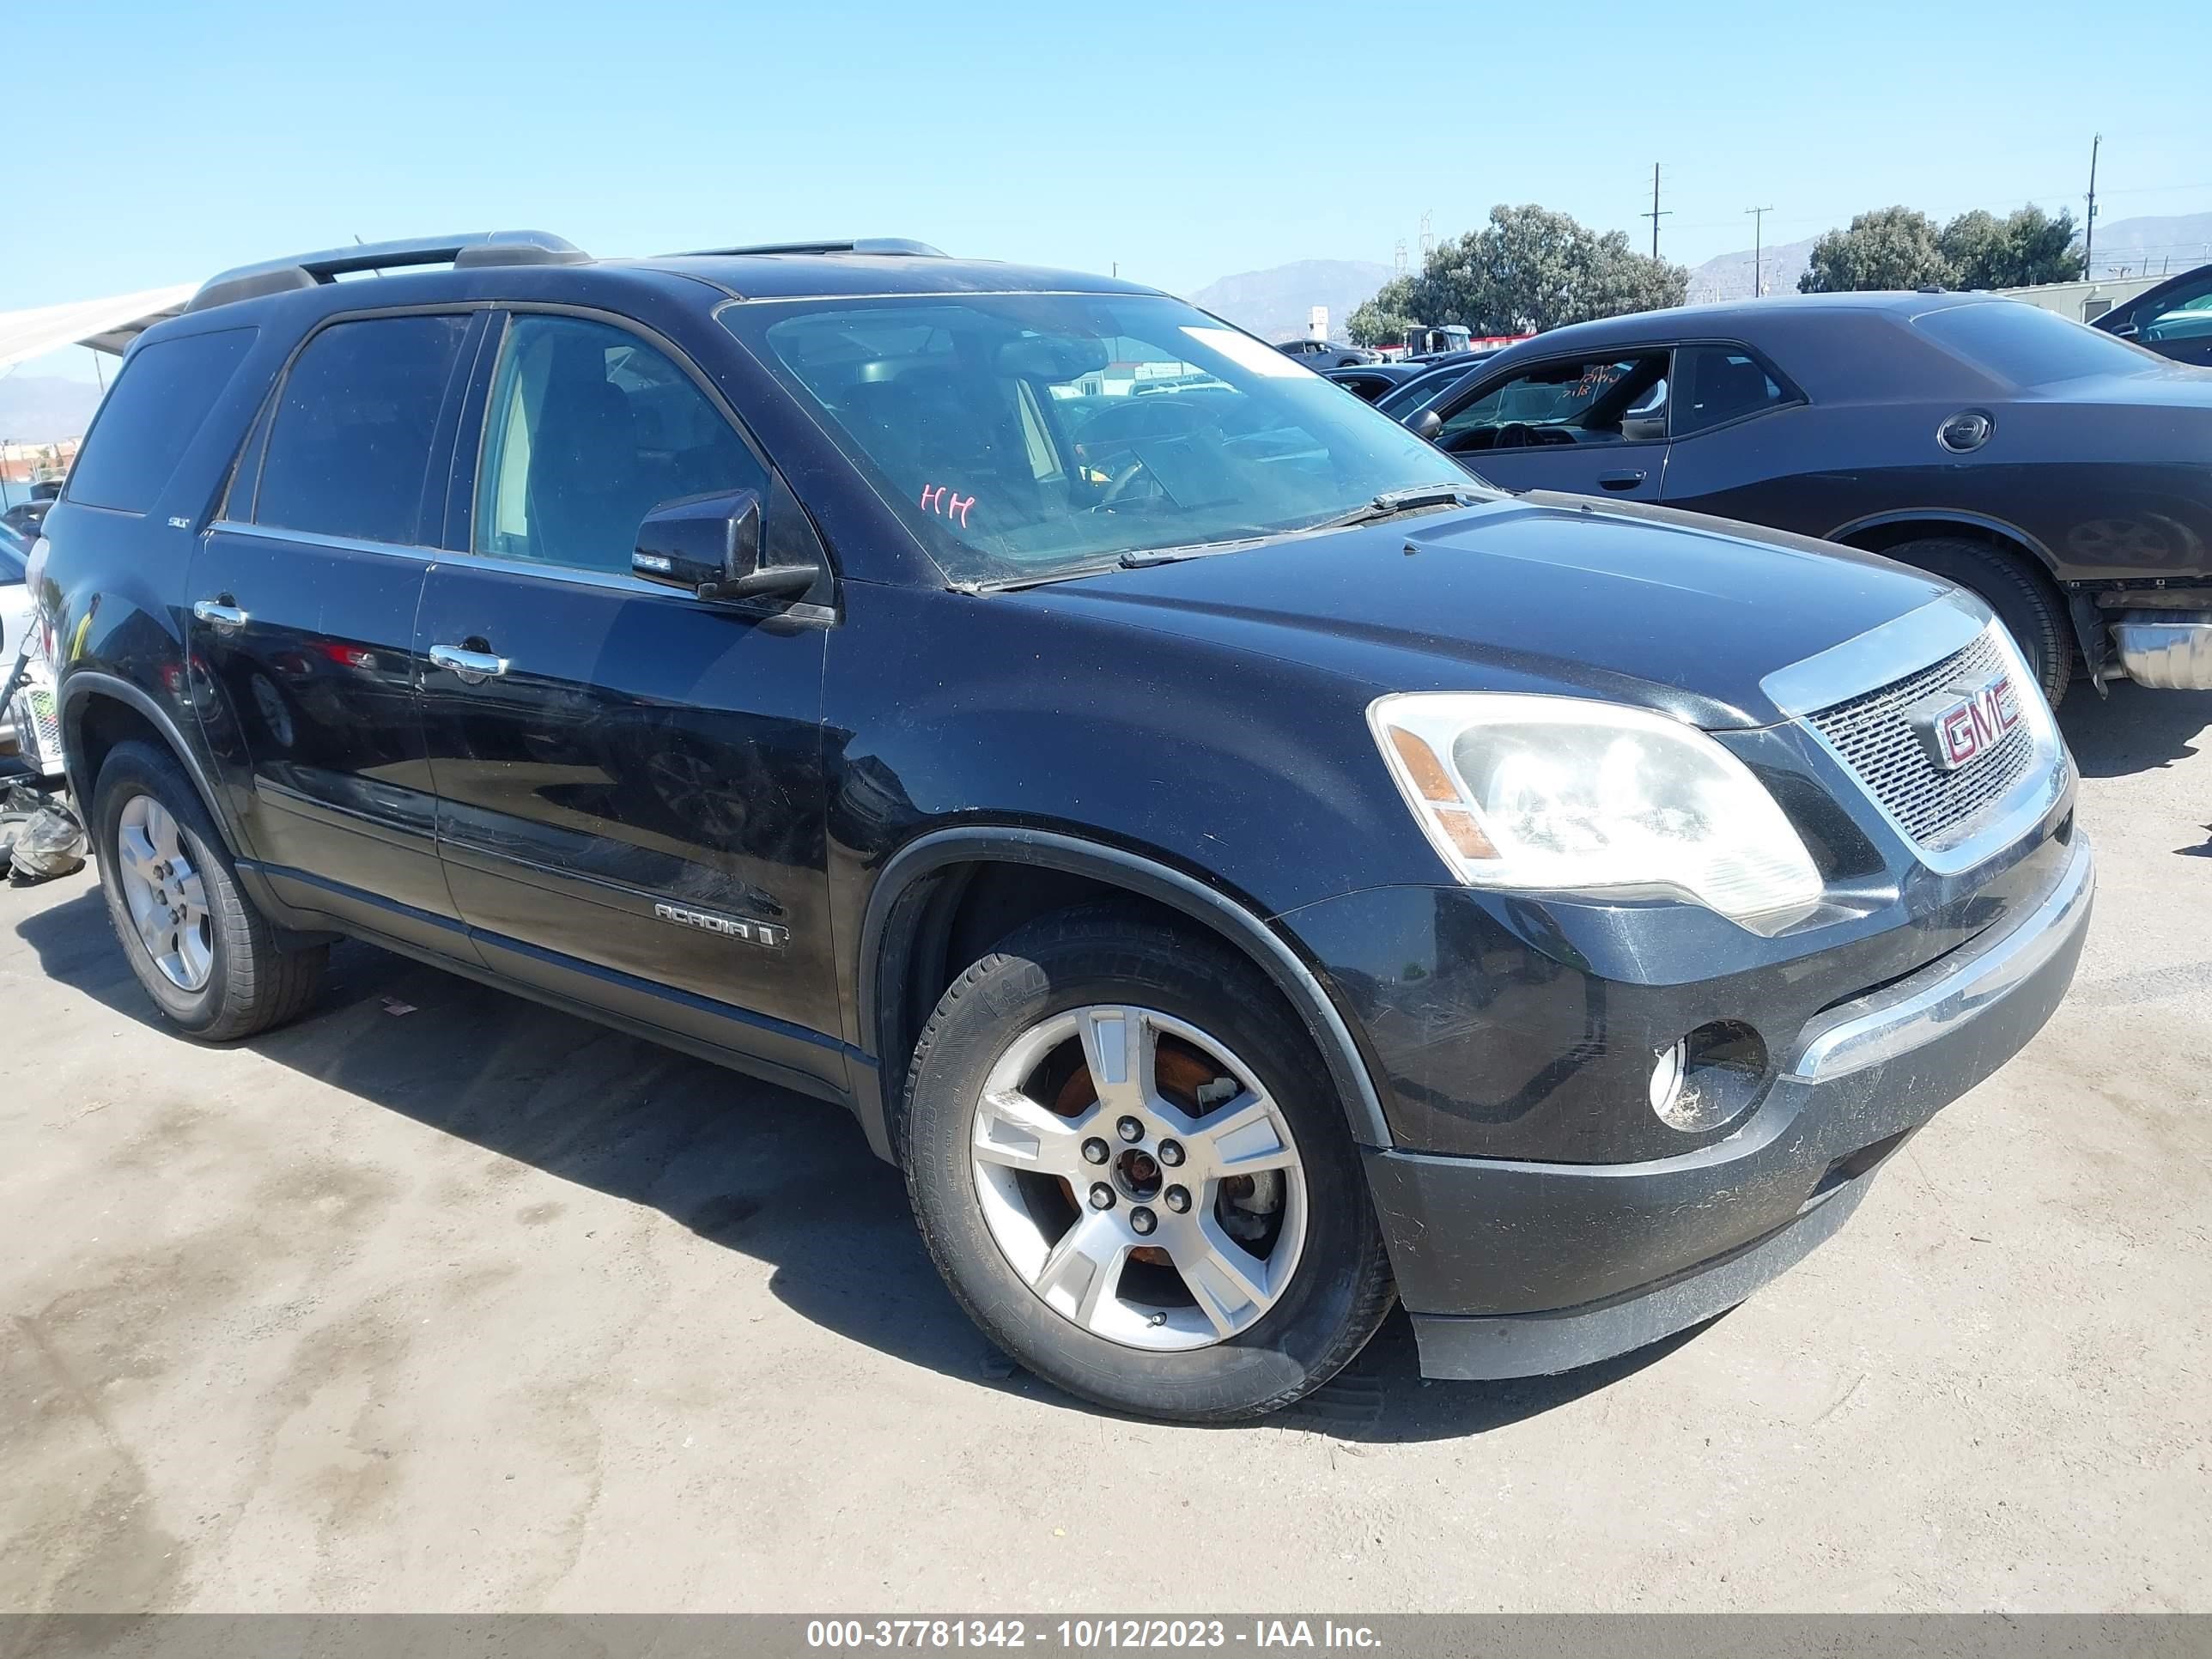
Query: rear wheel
x,y
204,954
2034,614
1134,1171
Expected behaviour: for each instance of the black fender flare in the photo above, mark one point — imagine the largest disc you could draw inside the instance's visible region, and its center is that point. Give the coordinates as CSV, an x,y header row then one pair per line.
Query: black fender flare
x,y
79,686
890,923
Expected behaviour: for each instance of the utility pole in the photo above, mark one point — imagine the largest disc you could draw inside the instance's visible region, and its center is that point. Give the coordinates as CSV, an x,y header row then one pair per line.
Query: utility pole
x,y
1757,246
2089,231
1654,215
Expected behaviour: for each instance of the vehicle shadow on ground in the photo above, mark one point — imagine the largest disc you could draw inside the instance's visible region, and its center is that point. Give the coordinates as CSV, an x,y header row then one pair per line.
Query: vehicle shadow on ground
x,y
2133,729
746,1165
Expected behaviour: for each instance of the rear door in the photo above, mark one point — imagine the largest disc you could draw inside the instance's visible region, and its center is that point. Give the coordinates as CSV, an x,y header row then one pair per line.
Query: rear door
x,y
303,600
1594,424
629,780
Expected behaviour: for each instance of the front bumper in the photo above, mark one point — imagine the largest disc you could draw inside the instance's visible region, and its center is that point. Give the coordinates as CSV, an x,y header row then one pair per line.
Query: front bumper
x,y
1514,1268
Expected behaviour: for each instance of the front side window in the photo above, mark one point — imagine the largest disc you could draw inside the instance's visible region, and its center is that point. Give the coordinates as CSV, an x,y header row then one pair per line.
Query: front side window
x,y
349,450
1722,383
588,429
1418,393
157,407
1579,401
1026,435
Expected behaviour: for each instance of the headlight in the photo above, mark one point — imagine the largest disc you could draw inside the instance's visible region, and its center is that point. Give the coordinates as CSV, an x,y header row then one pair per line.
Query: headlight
x,y
1535,792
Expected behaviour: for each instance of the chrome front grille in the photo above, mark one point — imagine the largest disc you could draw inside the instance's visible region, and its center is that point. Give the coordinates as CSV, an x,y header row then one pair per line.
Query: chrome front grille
x,y
1876,739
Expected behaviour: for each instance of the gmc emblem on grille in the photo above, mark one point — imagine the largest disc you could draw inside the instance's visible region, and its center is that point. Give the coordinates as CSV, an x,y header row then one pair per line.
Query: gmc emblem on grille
x,y
1957,725
759,933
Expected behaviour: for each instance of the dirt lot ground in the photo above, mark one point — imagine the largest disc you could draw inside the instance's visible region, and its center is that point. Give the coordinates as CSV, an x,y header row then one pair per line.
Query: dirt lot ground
x,y
440,1301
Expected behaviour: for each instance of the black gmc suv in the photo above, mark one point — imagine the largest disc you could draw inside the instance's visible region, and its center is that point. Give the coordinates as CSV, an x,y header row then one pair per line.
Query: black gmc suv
x,y
1240,866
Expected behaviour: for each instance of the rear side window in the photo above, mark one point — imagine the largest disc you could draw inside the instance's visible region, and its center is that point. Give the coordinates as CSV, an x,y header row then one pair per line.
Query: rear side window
x,y
158,405
349,449
2027,345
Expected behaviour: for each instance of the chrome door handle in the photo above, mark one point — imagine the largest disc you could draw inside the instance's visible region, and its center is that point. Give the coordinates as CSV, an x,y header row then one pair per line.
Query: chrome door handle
x,y
469,667
217,615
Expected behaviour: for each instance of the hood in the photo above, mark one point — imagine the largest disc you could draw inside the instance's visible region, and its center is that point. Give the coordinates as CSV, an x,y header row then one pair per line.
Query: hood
x,y
1539,593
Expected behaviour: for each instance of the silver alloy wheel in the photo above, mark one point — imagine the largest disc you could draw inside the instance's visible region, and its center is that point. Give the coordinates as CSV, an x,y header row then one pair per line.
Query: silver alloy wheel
x,y
1033,1166
164,894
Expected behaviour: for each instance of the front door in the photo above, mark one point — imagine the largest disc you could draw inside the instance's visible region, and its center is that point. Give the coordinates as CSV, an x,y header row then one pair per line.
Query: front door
x,y
1593,425
303,598
629,780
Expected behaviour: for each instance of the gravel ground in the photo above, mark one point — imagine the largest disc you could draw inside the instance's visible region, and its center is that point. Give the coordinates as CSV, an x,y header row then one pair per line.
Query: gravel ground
x,y
440,1301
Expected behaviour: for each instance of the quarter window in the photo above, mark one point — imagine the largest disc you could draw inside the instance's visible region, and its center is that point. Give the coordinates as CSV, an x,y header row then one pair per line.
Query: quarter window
x,y
158,405
589,429
349,447
1722,383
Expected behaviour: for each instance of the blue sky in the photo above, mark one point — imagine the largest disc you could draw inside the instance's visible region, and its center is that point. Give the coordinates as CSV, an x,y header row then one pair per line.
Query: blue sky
x,y
161,142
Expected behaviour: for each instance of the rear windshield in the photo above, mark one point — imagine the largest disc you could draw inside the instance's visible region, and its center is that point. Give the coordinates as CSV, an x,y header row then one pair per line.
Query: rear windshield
x,y
1027,435
2029,346
154,410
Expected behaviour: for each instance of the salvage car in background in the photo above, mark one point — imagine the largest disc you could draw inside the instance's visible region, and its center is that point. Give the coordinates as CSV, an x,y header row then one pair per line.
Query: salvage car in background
x,y
2174,320
2062,475
1328,353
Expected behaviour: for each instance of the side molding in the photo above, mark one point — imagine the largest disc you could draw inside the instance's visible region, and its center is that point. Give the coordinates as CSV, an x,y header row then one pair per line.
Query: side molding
x,y
1051,851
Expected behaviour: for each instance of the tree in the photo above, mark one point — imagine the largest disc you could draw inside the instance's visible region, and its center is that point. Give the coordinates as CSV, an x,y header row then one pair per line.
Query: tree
x,y
1897,247
1383,320
1527,270
1890,248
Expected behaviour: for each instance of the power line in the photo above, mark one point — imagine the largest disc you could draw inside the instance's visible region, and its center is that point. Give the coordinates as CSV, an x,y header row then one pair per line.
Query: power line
x,y
2089,230
1655,216
1757,246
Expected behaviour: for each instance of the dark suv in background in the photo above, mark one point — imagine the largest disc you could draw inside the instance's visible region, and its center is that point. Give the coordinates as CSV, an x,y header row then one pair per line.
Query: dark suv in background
x,y
1242,870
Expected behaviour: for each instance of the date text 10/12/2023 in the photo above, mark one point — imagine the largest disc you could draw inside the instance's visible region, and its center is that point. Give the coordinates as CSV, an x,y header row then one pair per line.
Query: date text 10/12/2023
x,y
1087,1635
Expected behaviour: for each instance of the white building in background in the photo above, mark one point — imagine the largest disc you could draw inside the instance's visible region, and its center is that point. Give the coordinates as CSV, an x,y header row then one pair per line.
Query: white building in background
x,y
2084,303
1317,323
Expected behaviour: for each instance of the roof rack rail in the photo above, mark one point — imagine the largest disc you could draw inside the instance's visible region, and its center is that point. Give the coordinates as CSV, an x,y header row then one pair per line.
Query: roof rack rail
x,y
473,249
899,245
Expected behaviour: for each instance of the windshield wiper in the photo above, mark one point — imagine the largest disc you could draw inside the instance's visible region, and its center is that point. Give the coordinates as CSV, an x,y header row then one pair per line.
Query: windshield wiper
x,y
1391,503
1143,557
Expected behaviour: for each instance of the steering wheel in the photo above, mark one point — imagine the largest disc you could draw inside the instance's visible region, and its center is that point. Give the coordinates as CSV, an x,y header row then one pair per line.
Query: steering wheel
x,y
1121,484
1514,435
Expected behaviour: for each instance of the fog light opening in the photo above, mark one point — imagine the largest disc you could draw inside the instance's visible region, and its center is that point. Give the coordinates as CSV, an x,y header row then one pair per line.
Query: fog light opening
x,y
1709,1077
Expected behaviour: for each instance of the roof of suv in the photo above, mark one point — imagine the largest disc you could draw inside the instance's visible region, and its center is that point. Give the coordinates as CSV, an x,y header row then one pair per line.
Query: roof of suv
x,y
859,266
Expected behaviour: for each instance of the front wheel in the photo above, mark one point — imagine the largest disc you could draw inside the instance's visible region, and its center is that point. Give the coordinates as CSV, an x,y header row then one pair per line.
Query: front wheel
x,y
1133,1170
2032,612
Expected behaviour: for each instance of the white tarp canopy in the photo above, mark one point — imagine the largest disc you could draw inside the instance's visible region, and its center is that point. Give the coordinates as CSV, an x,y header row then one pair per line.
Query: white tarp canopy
x,y
107,324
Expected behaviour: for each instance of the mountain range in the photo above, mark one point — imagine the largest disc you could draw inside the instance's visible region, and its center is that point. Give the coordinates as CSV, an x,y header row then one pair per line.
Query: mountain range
x,y
39,409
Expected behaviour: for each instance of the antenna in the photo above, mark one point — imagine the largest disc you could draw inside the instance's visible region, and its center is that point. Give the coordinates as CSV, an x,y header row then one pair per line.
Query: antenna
x,y
1398,259
1428,235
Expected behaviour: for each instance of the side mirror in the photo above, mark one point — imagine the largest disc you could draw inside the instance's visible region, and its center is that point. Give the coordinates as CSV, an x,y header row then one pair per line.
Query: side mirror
x,y
1425,425
710,545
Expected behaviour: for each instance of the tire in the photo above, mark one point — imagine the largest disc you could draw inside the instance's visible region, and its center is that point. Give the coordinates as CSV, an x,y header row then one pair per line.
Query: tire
x,y
251,983
2023,601
1195,1346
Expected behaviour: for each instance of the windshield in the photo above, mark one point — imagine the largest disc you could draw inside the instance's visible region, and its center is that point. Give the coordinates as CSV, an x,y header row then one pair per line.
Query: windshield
x,y
2029,346
1025,436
